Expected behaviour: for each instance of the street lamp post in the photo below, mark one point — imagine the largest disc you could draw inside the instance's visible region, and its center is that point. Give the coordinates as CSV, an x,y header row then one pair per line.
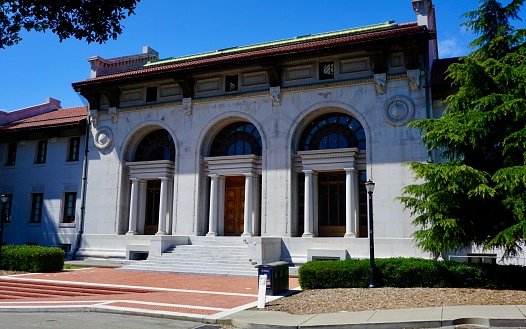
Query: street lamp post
x,y
4,198
369,186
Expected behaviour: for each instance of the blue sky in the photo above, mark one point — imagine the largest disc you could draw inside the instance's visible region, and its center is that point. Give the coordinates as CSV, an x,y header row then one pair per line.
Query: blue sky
x,y
40,66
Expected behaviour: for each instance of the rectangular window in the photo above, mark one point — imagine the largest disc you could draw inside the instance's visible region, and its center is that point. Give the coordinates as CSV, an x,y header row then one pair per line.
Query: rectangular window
x,y
231,83
151,94
41,152
326,70
7,209
37,200
73,149
70,201
11,154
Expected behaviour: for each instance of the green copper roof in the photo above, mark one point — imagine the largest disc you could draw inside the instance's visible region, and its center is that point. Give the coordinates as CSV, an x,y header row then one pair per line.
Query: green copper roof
x,y
303,38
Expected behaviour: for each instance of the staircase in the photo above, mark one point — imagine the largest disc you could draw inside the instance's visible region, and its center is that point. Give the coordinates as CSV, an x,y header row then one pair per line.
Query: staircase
x,y
211,256
16,289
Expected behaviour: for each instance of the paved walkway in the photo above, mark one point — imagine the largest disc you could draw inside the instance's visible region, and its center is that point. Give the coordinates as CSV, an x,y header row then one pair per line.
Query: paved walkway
x,y
216,299
201,298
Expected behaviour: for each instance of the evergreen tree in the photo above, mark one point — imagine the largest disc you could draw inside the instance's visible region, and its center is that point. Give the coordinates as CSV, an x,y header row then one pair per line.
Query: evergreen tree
x,y
92,20
478,196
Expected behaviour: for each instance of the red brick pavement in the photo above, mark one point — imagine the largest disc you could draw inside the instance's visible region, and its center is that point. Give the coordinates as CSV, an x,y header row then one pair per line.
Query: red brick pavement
x,y
192,295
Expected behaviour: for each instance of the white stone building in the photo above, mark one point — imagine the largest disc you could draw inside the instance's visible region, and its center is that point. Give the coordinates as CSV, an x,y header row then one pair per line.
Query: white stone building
x,y
267,146
42,168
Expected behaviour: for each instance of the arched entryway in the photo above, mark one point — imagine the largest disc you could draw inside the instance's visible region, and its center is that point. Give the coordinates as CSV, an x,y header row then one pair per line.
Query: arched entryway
x,y
234,170
151,172
330,176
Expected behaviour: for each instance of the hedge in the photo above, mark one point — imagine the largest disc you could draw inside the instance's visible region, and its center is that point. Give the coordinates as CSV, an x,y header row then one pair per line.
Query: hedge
x,y
32,258
410,272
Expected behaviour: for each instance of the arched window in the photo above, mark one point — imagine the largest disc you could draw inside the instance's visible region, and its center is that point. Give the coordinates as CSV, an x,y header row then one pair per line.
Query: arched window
x,y
157,145
332,131
239,138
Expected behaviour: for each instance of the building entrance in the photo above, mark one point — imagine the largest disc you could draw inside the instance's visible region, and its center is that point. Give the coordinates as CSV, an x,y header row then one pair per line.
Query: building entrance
x,y
153,199
234,205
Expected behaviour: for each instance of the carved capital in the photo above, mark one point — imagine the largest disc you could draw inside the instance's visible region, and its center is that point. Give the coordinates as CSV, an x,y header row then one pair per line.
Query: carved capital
x,y
94,115
275,95
187,106
112,111
379,83
414,79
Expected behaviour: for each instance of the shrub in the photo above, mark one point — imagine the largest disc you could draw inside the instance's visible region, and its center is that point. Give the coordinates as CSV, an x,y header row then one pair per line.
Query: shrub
x,y
410,272
32,258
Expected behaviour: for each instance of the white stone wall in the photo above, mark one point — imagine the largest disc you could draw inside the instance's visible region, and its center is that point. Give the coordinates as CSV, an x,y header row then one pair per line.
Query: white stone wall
x,y
388,146
52,178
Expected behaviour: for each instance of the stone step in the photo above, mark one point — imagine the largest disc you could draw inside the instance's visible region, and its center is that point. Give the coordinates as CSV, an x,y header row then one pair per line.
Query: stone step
x,y
204,256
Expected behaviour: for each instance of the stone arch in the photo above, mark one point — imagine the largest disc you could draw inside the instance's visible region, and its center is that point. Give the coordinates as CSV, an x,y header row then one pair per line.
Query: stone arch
x,y
134,137
216,124
314,111
320,171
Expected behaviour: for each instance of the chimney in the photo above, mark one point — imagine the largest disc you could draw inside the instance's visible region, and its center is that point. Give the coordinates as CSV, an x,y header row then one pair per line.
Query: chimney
x,y
425,13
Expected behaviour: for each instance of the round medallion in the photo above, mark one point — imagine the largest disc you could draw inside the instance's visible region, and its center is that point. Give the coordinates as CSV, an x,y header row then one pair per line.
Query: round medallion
x,y
399,110
103,138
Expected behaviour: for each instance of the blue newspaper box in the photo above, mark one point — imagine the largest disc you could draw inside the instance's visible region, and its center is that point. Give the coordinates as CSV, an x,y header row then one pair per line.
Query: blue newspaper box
x,y
277,277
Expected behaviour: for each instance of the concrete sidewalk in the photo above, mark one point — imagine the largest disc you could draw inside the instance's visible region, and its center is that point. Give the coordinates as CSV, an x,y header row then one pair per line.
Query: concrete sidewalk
x,y
469,316
221,300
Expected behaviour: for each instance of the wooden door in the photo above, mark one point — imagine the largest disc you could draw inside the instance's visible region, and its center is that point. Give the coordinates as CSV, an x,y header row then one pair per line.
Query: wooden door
x,y
234,205
153,198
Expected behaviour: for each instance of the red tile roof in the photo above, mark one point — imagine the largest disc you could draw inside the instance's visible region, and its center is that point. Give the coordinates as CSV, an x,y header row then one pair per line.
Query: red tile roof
x,y
60,117
440,66
265,52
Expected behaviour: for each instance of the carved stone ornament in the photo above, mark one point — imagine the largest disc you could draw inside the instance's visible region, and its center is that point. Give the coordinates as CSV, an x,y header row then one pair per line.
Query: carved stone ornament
x,y
187,106
103,138
414,79
94,115
275,93
379,83
112,111
399,110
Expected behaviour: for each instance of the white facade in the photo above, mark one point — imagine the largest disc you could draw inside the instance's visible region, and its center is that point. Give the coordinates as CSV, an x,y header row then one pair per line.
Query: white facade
x,y
270,142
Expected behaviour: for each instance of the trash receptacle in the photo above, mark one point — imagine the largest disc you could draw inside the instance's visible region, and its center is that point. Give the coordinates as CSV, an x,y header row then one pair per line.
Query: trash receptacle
x,y
277,277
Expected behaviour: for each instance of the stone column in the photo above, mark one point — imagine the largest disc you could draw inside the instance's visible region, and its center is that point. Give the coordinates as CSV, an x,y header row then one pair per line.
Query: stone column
x,y
162,206
350,207
212,216
247,220
132,222
308,216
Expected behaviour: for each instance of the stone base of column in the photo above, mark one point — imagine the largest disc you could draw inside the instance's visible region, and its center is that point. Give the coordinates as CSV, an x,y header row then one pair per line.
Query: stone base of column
x,y
350,235
211,234
131,233
307,235
161,233
247,234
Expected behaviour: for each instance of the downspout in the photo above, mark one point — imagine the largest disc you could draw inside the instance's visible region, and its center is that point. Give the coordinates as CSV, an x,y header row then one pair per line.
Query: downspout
x,y
83,192
429,113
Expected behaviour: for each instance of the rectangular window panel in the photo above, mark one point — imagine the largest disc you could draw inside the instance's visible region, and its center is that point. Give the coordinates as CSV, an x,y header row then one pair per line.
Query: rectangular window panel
x,y
41,152
11,154
70,201
37,201
74,147
326,70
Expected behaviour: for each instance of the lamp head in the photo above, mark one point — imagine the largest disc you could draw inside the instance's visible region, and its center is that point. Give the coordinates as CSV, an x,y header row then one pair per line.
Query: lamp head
x,y
369,186
4,198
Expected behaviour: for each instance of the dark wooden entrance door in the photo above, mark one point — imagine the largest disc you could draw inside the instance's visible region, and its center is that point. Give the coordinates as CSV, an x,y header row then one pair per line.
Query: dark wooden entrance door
x,y
234,205
331,203
153,198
